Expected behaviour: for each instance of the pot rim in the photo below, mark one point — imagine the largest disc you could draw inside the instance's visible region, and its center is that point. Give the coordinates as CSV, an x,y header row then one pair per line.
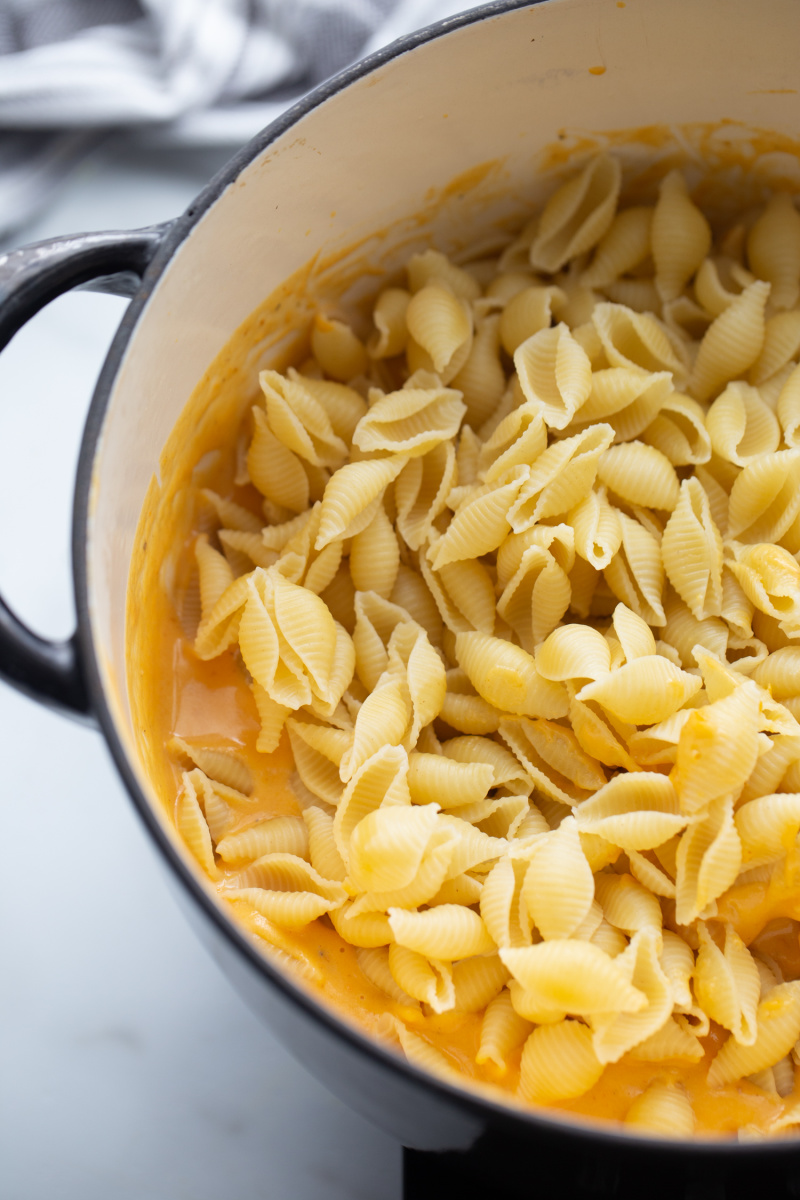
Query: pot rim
x,y
505,1118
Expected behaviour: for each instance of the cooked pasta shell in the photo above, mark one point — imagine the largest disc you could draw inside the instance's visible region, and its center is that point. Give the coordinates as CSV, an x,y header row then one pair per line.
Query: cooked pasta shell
x,y
629,906
376,621
215,574
300,422
431,265
636,573
480,524
671,1041
599,737
289,891
708,860
765,498
482,380
573,652
274,469
411,593
230,515
221,765
662,1108
778,1026
518,440
502,1032
382,777
276,835
446,932
506,770
433,778
389,318
640,474
576,977
732,343
317,751
440,323
770,578
779,672
555,374
526,313
684,632
780,350
558,1063
387,846
411,421
383,720
501,903
767,827
727,983
788,408
375,556
470,714
616,1033
679,431
625,246
560,477
344,406
577,215
633,634
352,497
773,249
321,843
559,886
337,349
691,549
536,598
637,341
635,811
192,826
680,237
598,533
644,691
718,282
506,677
717,750
374,962
429,980
741,426
368,930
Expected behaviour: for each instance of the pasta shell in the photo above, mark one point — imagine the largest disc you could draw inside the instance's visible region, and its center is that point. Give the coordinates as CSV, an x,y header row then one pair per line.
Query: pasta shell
x,y
640,474
432,265
478,981
662,1108
635,811
681,236
773,249
526,313
554,759
777,1029
727,984
389,318
502,1032
555,374
598,533
574,976
433,778
506,677
636,573
447,932
643,691
300,422
482,380
767,827
274,469
679,431
741,426
337,349
559,887
518,440
717,750
560,477
577,215
691,549
440,323
616,1033
625,246
636,341
375,556
573,652
387,846
411,421
708,861
352,496
480,524
770,577
765,498
781,346
425,979
732,343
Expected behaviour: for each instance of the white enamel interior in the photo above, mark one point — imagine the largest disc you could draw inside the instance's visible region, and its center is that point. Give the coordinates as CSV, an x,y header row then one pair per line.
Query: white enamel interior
x,y
501,87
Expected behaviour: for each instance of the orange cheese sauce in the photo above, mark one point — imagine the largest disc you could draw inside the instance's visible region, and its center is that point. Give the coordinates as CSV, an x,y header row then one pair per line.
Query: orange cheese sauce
x,y
175,693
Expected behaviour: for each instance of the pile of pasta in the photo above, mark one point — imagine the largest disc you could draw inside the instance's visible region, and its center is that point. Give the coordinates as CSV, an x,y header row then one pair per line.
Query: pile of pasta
x,y
524,597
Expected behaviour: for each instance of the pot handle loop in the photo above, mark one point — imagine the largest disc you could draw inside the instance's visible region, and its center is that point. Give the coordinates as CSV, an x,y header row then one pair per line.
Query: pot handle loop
x,y
30,278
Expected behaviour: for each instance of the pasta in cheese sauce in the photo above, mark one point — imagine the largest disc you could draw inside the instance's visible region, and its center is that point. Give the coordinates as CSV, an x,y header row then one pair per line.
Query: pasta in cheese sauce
x,y
486,707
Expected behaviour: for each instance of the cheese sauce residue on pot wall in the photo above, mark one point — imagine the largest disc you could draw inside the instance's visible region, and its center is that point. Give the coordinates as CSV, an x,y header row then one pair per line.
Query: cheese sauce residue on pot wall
x,y
672,426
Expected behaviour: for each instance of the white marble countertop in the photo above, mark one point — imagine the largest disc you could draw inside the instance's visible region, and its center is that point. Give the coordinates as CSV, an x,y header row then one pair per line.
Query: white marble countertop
x,y
129,1068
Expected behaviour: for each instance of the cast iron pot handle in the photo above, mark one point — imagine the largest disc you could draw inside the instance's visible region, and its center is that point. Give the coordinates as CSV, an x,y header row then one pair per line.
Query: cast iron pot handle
x,y
30,278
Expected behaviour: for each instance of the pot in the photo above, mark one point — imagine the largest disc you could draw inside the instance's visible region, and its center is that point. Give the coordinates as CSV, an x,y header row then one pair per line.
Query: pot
x,y
452,125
